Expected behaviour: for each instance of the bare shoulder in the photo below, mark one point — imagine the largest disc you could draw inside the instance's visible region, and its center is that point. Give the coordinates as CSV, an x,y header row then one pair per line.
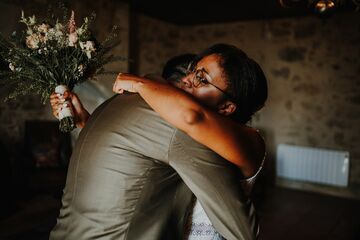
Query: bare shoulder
x,y
257,137
257,147
257,141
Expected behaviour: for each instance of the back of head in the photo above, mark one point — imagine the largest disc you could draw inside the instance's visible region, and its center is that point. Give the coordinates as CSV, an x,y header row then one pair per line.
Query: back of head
x,y
176,67
246,80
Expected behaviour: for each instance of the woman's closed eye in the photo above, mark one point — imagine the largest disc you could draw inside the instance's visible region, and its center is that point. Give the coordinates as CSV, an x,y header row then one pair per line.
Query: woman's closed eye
x,y
201,79
204,81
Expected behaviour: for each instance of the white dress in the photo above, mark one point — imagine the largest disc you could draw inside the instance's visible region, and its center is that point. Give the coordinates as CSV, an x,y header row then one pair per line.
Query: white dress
x,y
199,225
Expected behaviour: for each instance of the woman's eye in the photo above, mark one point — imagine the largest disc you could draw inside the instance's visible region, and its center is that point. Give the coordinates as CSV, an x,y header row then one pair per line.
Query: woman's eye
x,y
204,81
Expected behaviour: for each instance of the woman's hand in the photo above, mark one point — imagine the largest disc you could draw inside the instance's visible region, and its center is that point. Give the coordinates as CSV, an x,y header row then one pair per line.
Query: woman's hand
x,y
127,82
57,102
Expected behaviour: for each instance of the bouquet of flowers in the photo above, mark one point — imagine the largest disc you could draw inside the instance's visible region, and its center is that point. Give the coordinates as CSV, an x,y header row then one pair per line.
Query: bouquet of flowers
x,y
50,56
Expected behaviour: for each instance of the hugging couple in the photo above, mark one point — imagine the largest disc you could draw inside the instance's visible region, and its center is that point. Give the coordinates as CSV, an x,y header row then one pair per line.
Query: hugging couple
x,y
170,157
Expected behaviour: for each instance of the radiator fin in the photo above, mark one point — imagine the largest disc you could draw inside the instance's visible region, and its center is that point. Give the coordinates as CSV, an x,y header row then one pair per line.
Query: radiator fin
x,y
313,164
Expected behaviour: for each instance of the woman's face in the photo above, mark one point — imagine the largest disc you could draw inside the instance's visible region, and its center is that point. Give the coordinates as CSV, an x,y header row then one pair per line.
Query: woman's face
x,y
206,82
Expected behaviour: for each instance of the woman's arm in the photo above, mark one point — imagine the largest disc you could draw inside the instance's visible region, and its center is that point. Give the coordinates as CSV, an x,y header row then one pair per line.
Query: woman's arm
x,y
237,143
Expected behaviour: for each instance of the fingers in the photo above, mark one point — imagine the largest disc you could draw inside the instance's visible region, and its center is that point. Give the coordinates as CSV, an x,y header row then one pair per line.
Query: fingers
x,y
56,102
76,104
117,89
56,107
66,94
116,86
56,112
53,95
127,82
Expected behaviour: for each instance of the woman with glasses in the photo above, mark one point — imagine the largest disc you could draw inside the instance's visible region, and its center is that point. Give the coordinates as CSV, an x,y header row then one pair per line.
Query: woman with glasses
x,y
225,88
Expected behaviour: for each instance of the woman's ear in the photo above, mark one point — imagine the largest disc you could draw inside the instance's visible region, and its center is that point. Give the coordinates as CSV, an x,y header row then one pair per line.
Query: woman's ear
x,y
227,108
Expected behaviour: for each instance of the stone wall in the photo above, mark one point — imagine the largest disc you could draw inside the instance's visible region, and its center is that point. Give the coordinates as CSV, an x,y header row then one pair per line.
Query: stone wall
x,y
156,41
312,68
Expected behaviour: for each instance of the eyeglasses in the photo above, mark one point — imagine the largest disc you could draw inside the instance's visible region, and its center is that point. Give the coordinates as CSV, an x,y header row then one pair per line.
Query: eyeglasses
x,y
199,79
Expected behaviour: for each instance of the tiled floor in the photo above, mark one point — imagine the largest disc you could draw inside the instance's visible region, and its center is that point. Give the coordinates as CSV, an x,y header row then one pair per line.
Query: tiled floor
x,y
285,214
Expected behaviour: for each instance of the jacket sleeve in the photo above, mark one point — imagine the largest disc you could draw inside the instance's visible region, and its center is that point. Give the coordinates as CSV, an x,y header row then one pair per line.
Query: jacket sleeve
x,y
215,182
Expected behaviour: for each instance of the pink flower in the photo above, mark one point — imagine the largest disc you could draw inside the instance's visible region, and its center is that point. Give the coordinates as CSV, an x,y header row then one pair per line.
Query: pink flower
x,y
43,28
72,25
73,38
32,41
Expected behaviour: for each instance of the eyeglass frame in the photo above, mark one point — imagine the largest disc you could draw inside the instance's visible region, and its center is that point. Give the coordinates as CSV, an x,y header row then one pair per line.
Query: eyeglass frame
x,y
193,70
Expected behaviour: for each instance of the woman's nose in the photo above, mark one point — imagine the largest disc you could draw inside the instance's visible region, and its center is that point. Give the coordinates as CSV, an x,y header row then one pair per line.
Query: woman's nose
x,y
186,81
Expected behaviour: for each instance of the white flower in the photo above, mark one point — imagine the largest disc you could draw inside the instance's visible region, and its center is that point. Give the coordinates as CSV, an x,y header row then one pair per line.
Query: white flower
x,y
73,38
80,68
51,31
88,47
51,34
29,22
88,54
29,31
80,31
59,27
59,34
32,41
32,20
12,67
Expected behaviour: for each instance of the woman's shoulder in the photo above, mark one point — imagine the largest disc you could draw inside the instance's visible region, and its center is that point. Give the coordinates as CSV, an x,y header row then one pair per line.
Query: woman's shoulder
x,y
259,140
256,147
255,138
259,151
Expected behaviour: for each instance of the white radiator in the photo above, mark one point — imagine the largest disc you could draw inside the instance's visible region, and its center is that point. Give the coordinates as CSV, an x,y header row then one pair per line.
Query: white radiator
x,y
313,164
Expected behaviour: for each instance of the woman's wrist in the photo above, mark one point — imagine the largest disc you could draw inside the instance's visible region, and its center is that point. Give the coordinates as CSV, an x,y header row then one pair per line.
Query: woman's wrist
x,y
137,86
82,118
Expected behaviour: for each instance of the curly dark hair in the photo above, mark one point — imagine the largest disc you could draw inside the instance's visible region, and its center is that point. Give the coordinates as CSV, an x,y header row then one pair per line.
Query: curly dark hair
x,y
246,80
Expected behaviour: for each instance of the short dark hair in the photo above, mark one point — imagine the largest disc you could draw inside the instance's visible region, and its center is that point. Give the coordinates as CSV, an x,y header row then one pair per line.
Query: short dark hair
x,y
246,80
175,68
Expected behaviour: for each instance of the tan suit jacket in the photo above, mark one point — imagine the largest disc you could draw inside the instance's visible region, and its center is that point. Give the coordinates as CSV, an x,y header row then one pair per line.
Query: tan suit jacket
x,y
123,180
